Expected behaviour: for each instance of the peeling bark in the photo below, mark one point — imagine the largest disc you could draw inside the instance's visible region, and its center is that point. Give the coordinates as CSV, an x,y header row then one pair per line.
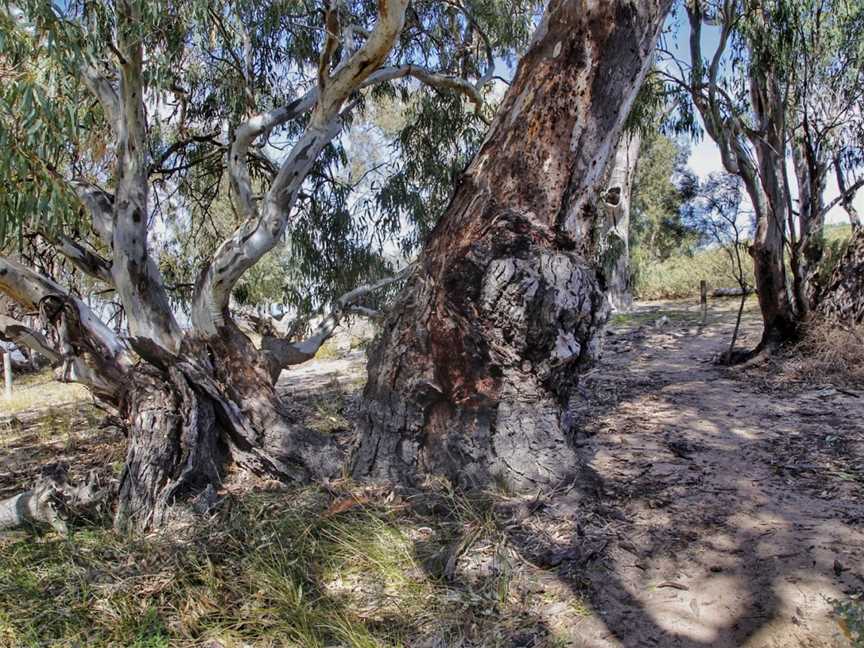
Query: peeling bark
x,y
616,237
475,372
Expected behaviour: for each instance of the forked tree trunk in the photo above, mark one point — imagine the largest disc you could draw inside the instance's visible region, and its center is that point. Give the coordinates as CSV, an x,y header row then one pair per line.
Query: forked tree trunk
x,y
476,368
192,416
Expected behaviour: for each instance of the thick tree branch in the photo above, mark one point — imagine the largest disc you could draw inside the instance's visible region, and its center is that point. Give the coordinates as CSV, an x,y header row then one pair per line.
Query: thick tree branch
x,y
105,93
86,260
30,289
90,353
847,193
281,353
23,336
136,277
264,228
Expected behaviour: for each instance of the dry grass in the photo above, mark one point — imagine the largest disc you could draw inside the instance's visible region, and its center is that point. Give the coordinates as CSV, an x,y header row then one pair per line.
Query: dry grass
x,y
294,568
38,391
829,352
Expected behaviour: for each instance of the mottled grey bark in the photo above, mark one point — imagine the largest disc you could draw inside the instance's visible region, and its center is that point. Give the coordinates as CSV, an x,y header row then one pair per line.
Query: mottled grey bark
x,y
475,372
616,237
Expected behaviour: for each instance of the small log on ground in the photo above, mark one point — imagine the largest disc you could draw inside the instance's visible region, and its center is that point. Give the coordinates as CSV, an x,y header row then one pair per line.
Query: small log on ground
x,y
53,501
731,292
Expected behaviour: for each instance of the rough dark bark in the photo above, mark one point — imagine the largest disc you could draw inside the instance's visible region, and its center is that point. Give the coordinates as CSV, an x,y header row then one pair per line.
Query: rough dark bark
x,y
191,415
843,297
475,372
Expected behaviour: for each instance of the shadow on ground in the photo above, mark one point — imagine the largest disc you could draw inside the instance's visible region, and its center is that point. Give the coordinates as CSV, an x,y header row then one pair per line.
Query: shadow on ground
x,y
709,510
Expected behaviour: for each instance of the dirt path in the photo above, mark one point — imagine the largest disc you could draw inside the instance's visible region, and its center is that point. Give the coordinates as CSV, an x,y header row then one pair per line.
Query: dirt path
x,y
732,513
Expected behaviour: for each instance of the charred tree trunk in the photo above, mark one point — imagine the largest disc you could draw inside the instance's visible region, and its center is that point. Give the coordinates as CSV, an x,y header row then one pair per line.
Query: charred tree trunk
x,y
843,297
616,239
475,371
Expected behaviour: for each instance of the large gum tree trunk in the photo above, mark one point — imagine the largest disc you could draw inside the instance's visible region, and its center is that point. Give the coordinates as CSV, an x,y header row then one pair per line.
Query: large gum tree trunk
x,y
768,193
475,371
191,416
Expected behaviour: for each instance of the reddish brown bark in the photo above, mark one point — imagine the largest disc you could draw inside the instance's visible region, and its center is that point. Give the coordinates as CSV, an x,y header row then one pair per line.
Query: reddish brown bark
x,y
474,375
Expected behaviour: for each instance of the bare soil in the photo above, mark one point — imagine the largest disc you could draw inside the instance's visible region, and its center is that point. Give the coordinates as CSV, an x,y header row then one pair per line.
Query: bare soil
x,y
732,509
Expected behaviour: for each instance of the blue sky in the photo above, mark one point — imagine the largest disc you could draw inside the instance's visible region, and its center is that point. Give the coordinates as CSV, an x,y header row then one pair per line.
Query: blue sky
x,y
704,155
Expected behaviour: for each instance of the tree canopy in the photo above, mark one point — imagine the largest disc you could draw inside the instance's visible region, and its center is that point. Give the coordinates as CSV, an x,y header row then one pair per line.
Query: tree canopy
x,y
206,69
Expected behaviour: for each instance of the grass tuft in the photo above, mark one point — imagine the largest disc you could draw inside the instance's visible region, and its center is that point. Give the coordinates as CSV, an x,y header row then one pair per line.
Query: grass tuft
x,y
272,569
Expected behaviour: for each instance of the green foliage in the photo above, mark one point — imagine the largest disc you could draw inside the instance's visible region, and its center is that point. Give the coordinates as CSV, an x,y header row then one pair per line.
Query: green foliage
x,y
679,275
660,188
208,66
45,126
836,240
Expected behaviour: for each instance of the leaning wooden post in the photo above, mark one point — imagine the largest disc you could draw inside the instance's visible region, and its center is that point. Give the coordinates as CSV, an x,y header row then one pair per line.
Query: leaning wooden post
x,y
703,294
7,372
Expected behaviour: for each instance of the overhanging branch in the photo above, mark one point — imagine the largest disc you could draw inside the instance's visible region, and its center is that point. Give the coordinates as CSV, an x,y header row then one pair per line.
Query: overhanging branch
x,y
281,353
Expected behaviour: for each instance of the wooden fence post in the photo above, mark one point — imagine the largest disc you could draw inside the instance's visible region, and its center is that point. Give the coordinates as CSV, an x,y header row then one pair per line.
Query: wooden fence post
x,y
7,372
703,294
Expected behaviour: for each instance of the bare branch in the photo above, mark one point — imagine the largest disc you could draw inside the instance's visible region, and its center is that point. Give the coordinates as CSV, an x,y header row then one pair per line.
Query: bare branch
x,y
101,88
281,353
23,336
100,204
83,258
29,289
845,197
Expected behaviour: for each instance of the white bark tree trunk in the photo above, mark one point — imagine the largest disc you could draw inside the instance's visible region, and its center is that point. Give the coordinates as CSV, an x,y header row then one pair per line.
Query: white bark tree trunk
x,y
616,244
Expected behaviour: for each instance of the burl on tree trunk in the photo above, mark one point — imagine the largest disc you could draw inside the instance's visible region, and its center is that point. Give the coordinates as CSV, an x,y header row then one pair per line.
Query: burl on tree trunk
x,y
475,372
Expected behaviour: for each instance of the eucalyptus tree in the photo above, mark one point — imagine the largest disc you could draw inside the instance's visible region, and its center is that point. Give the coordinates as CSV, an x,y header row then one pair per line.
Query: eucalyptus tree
x,y
827,130
777,88
474,376
739,93
116,113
